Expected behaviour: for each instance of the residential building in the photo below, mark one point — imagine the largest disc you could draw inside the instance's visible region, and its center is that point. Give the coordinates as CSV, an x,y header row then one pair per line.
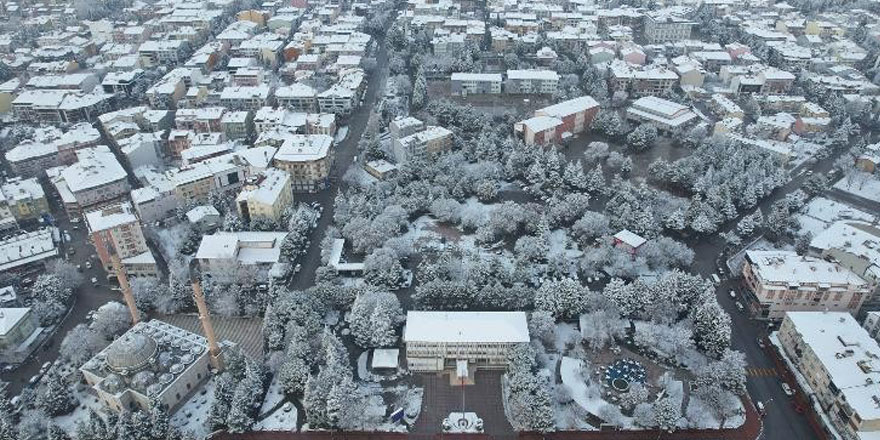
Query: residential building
x,y
423,144
436,340
635,80
115,230
163,52
307,158
298,97
25,198
665,26
265,196
224,256
837,360
475,83
96,177
17,324
27,250
531,82
782,281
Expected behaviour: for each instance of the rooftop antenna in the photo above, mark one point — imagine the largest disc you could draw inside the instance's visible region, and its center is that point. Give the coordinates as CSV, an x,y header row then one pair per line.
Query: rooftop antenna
x,y
205,319
122,276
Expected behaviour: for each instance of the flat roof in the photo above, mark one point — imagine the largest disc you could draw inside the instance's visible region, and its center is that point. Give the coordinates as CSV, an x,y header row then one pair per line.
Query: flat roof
x,y
466,327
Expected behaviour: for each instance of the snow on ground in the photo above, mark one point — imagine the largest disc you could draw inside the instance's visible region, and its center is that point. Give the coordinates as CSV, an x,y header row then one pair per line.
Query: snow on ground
x,y
375,410
192,416
356,175
860,184
587,396
734,263
170,239
86,401
566,334
701,417
274,396
820,213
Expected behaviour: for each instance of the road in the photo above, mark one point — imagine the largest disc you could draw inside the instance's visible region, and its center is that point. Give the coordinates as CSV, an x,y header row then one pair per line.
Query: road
x,y
344,155
763,383
87,298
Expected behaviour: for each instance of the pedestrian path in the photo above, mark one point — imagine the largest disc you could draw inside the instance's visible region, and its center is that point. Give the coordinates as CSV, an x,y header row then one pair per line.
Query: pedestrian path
x,y
762,372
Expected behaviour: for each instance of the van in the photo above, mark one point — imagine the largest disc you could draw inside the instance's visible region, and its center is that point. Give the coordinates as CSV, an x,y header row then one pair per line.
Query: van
x,y
715,279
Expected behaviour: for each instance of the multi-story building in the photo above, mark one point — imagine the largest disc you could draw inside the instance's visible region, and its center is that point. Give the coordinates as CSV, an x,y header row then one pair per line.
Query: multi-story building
x,y
475,83
18,324
225,255
666,115
238,124
838,360
423,145
636,80
246,97
265,196
871,324
96,177
307,158
297,96
122,82
341,98
783,281
27,250
200,120
576,114
436,340
196,182
663,26
541,82
163,52
25,198
115,230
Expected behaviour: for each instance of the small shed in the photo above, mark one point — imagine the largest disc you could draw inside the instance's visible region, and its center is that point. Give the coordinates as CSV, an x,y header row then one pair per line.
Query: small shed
x,y
628,241
385,358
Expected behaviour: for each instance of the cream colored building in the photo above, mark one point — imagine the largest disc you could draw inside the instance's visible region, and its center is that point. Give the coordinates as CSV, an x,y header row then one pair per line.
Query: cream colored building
x,y
307,158
152,360
783,281
25,198
839,361
436,340
116,230
265,196
16,325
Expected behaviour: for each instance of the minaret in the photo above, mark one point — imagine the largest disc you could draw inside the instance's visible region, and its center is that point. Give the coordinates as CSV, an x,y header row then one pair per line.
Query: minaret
x,y
205,318
126,289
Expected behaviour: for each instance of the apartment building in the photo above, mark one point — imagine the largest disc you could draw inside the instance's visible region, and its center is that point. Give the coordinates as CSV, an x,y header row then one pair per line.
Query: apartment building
x,y
96,177
224,255
475,83
539,82
298,97
200,120
839,362
246,97
663,26
115,230
265,196
25,198
196,182
783,281
307,158
423,145
638,80
437,340
162,52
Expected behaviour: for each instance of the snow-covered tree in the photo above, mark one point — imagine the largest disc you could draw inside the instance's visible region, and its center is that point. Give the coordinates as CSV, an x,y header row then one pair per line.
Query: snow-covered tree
x,y
55,396
721,403
542,326
609,123
80,344
643,415
420,91
667,411
711,327
636,394
727,372
111,320
382,268
563,298
373,318
601,327
642,138
611,414
529,400
66,273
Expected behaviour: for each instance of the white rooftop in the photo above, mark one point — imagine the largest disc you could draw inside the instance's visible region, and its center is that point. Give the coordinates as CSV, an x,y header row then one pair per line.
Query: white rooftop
x,y
10,317
466,327
304,148
789,268
110,216
96,166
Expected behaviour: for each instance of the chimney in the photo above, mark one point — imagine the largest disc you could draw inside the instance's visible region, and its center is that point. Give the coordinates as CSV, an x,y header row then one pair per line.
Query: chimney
x,y
205,319
126,289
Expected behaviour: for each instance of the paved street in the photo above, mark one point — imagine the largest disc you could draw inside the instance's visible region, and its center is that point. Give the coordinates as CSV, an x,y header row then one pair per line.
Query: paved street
x,y
87,298
344,154
781,422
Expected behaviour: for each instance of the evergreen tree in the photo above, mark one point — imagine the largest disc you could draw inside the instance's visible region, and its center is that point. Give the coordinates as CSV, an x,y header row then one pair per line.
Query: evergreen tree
x,y
54,432
420,91
56,398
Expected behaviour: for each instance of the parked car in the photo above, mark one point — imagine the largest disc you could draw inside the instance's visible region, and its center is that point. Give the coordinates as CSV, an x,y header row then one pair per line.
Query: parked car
x,y
716,279
761,343
739,306
787,389
760,406
88,264
34,379
94,281
733,294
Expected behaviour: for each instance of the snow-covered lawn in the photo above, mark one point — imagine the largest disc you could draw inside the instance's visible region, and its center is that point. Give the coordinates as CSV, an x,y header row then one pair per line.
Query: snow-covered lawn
x,y
85,401
860,184
192,416
376,409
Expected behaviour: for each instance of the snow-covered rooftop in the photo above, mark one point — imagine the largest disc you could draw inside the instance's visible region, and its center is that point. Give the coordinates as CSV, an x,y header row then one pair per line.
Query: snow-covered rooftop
x,y
466,327
791,269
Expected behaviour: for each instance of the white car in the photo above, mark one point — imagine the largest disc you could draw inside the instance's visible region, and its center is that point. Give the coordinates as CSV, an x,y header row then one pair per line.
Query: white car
x,y
787,389
88,264
94,281
739,306
733,294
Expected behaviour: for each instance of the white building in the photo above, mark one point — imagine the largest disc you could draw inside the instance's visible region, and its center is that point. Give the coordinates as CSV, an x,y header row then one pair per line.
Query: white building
x,y
665,115
436,340
223,256
307,158
96,177
531,82
838,361
783,281
265,196
27,249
